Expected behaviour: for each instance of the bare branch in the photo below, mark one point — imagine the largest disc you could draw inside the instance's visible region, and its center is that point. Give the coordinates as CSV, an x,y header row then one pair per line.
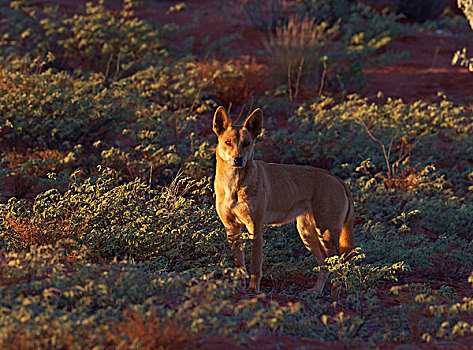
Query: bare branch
x,y
386,155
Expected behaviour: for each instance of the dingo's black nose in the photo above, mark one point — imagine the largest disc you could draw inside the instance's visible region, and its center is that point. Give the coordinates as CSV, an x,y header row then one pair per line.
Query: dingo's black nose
x,y
238,161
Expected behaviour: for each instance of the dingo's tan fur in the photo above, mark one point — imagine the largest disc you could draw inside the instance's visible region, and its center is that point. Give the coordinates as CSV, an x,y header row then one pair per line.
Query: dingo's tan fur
x,y
252,193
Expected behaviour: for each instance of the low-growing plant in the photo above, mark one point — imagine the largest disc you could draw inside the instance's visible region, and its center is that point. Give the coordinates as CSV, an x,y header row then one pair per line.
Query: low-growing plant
x,y
71,302
235,82
55,110
123,221
462,59
149,120
325,43
432,314
97,39
354,277
29,171
299,48
148,332
412,132
342,326
136,257
467,7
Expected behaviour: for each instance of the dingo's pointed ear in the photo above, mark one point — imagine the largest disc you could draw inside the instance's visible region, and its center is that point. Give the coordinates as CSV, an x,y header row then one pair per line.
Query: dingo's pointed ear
x,y
254,123
221,121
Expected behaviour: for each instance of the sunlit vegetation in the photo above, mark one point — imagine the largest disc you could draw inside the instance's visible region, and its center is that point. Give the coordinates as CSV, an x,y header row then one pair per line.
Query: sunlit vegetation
x,y
108,232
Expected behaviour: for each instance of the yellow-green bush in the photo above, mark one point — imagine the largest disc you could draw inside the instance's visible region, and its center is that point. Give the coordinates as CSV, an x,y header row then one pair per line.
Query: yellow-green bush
x,y
137,257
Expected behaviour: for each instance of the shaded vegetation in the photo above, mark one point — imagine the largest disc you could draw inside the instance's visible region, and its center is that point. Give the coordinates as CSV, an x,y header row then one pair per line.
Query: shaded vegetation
x,y
108,232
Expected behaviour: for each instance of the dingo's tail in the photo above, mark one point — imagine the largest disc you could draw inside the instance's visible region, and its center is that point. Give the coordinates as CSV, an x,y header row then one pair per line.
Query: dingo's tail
x,y
346,240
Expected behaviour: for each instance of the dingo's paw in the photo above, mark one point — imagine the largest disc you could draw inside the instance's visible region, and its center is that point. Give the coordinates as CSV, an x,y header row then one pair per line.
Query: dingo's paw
x,y
253,288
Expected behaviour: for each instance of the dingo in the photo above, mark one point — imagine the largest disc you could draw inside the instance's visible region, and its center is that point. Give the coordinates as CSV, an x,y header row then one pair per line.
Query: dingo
x,y
252,193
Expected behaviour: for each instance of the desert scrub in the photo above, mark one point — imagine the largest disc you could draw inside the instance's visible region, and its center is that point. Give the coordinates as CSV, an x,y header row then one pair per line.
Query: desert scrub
x,y
356,278
53,109
72,302
322,46
330,134
445,314
151,119
130,110
235,82
97,39
412,205
121,220
168,128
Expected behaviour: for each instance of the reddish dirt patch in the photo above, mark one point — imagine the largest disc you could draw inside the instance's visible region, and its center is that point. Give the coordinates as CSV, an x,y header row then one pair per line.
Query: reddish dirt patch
x,y
420,76
426,71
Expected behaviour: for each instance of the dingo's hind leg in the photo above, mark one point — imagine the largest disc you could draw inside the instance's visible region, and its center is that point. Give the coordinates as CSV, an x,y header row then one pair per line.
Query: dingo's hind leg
x,y
310,238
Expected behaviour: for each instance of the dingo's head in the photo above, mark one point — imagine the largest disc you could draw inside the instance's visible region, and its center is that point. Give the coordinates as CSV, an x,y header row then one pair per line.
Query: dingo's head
x,y
235,143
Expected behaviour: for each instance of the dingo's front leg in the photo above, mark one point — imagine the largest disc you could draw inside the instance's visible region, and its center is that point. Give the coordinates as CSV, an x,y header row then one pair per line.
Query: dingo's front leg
x,y
256,231
234,238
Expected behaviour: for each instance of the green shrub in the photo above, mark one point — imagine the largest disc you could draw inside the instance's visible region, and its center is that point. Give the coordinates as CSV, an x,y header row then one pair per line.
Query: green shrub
x,y
121,221
94,257
467,7
56,110
70,302
95,40
441,318
150,120
462,59
330,135
323,46
355,278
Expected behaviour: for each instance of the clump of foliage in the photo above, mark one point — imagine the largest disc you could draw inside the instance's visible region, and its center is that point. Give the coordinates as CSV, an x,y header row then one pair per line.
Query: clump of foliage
x,y
324,47
95,40
71,302
128,220
236,82
462,59
467,7
442,319
53,109
146,121
109,237
357,279
460,56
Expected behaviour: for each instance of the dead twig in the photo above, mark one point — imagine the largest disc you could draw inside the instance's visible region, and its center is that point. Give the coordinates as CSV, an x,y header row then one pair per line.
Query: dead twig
x,y
386,153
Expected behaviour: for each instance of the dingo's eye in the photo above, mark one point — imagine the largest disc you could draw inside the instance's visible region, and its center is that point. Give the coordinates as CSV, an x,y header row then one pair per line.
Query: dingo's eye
x,y
228,143
246,143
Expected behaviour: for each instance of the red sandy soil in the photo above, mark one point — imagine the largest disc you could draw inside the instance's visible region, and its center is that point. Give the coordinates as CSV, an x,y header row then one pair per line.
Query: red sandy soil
x,y
420,76
426,71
